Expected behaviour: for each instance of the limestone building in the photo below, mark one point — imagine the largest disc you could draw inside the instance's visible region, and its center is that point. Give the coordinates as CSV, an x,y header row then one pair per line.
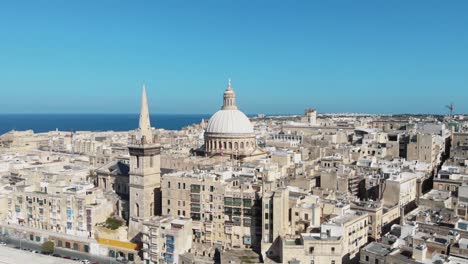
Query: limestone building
x,y
223,208
145,175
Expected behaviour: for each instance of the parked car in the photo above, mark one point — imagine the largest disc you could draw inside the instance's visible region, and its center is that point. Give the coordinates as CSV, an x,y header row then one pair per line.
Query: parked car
x,y
85,261
67,257
121,259
56,255
2,244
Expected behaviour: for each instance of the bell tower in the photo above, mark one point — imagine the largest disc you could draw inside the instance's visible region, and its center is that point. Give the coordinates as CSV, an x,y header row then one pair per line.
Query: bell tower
x,y
145,173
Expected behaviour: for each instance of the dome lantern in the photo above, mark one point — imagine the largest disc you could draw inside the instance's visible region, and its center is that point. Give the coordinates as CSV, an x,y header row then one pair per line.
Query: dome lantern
x,y
229,98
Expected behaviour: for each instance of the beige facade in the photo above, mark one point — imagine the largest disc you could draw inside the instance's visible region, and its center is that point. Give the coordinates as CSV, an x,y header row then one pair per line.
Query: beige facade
x,y
423,148
339,241
73,211
400,189
223,210
375,212
165,238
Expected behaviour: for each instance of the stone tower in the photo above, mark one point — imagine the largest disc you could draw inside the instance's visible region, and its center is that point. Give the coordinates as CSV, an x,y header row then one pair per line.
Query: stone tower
x,y
311,115
145,173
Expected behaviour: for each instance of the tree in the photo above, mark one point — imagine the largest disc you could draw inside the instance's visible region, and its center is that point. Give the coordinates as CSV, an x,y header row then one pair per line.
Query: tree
x,y
48,247
113,223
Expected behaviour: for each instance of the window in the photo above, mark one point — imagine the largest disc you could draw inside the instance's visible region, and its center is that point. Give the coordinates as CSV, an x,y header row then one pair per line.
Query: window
x,y
333,250
266,216
168,184
184,186
376,261
367,258
168,202
178,185
266,226
311,250
333,262
306,216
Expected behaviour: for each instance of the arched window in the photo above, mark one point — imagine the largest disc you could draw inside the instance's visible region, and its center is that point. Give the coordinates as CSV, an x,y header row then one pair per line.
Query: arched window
x,y
137,210
236,145
247,144
242,145
230,145
224,145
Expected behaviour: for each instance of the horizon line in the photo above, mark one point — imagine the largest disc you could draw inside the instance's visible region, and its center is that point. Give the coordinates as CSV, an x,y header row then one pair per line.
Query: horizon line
x,y
210,114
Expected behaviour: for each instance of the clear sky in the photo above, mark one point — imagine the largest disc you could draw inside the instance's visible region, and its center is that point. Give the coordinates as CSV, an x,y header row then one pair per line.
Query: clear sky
x,y
374,56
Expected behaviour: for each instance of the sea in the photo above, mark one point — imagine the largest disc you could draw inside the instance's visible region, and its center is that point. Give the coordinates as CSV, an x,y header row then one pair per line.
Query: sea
x,y
93,122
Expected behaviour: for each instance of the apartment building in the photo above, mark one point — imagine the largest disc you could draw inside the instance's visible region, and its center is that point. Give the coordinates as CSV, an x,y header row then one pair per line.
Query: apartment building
x,y
72,210
223,208
165,238
338,241
400,189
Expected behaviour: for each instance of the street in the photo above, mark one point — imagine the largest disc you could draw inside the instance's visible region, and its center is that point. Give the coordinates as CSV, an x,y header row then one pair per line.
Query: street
x,y
26,244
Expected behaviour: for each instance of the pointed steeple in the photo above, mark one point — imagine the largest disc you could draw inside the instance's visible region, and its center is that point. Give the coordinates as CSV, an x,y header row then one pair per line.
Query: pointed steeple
x,y
229,98
145,125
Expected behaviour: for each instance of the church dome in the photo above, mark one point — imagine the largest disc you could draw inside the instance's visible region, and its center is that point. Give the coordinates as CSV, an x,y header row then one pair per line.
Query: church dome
x,y
229,131
229,121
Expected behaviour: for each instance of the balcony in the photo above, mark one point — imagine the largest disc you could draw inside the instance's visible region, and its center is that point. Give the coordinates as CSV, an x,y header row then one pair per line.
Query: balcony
x,y
169,239
170,248
228,228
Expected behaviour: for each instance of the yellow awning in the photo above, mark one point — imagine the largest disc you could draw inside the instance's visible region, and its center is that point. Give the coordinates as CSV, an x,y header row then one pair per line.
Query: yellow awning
x,y
117,243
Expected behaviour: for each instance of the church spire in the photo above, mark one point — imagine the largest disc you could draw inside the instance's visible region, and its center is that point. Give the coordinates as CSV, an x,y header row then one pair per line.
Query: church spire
x,y
145,125
229,98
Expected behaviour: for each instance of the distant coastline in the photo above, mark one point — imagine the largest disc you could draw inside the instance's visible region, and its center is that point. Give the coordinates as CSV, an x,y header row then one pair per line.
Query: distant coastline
x,y
92,122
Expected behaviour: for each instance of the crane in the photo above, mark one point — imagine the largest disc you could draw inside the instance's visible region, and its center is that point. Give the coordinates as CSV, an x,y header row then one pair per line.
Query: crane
x,y
451,108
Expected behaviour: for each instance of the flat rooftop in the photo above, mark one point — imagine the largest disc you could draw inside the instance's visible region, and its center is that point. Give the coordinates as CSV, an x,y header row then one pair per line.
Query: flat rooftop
x,y
377,248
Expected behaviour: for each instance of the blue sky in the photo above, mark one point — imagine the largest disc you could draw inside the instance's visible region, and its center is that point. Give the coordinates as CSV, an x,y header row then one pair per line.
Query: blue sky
x,y
282,56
